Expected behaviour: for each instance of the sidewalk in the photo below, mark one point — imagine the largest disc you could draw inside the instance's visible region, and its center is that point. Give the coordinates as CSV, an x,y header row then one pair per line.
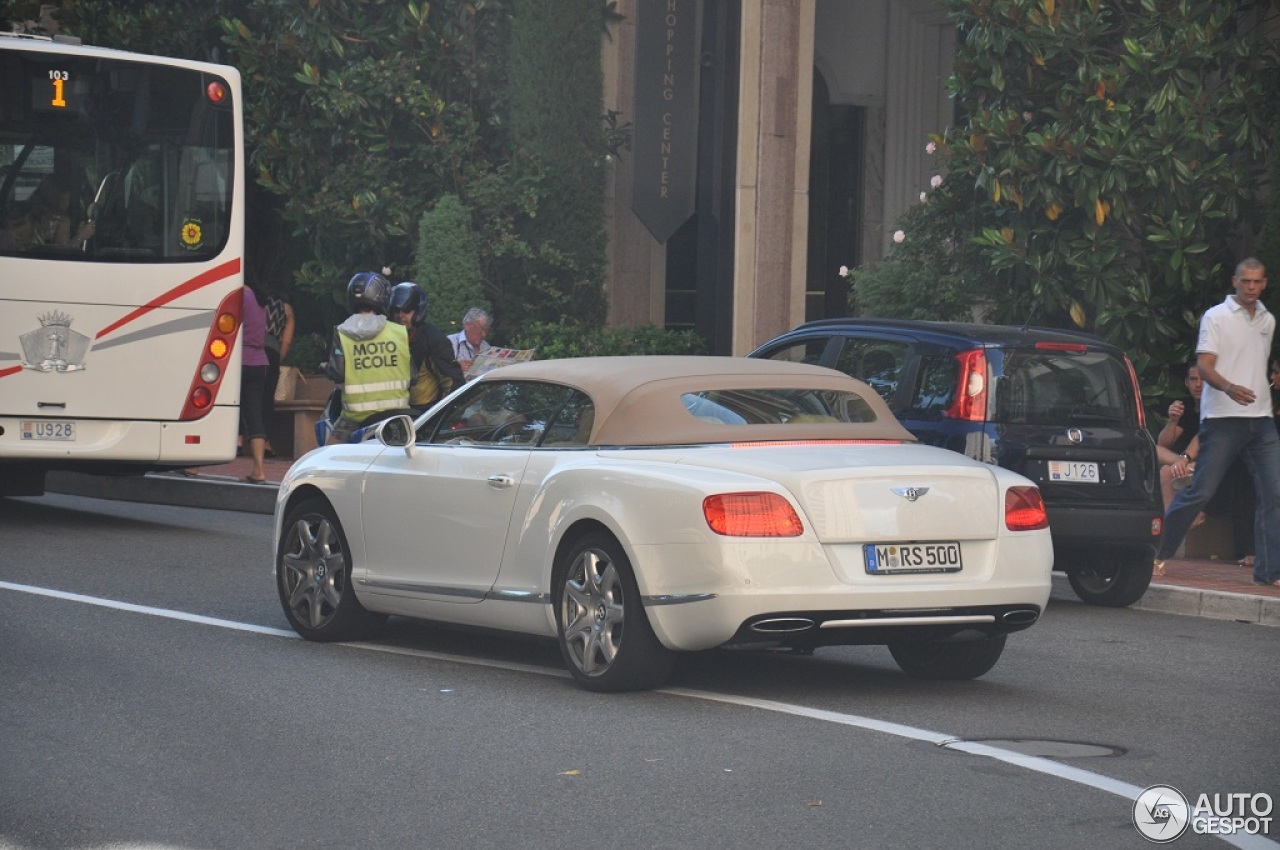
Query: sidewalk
x,y
1199,587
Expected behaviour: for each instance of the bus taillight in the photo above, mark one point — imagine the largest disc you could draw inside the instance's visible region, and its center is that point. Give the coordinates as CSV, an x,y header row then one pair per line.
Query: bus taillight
x,y
214,356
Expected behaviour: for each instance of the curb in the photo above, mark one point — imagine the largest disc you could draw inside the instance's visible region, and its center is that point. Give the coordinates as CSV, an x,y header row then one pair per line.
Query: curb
x,y
1190,601
213,492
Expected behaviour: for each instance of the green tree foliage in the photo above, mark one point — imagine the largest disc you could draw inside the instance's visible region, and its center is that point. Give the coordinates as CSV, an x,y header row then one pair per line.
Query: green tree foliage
x,y
448,263
1105,166
925,280
567,338
362,112
555,93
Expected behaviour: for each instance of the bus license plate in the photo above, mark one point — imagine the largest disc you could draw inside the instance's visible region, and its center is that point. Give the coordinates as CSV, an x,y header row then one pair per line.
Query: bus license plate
x,y
48,429
1073,470
883,558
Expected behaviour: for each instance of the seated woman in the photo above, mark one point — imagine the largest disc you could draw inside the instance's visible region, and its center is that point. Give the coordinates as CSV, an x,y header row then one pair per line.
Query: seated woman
x,y
1178,442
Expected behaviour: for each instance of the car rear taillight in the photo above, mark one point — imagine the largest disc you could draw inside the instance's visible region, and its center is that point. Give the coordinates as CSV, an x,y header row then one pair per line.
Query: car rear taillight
x,y
212,367
971,389
1024,509
1137,394
751,515
1061,346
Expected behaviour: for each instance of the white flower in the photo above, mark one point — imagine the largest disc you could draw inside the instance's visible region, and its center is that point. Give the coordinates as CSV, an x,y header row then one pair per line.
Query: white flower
x,y
930,148
386,271
844,271
899,236
1027,116
935,181
924,196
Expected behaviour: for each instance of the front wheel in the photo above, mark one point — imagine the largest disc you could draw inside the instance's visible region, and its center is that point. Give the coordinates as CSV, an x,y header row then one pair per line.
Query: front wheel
x,y
1115,579
313,576
604,634
947,661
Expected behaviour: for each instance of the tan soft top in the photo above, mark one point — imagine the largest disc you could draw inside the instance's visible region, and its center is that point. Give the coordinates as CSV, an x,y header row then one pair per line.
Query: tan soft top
x,y
638,399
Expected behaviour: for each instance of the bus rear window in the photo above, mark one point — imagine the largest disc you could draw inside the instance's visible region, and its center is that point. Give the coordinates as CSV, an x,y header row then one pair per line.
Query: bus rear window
x,y
113,161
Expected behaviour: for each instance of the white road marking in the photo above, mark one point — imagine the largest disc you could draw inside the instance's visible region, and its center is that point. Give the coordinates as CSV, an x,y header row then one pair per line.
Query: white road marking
x,y
1037,764
146,609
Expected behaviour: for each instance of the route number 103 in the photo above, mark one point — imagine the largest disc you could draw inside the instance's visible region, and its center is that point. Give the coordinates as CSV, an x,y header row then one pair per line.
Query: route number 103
x,y
59,80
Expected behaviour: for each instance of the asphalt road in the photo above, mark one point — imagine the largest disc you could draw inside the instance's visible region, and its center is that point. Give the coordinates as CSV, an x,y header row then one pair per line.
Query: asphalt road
x,y
152,696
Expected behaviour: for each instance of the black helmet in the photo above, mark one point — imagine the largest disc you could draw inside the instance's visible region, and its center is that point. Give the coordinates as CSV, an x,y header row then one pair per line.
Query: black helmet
x,y
409,296
369,290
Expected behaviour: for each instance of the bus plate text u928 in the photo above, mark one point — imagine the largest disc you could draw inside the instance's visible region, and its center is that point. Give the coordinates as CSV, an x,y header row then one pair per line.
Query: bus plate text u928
x,y
48,429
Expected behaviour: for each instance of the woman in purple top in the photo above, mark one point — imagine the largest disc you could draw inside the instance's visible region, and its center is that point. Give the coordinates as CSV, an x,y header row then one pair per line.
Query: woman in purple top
x,y
253,380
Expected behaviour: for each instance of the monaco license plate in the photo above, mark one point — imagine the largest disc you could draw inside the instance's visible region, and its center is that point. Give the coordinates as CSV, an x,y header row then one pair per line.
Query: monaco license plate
x,y
1073,470
48,429
883,558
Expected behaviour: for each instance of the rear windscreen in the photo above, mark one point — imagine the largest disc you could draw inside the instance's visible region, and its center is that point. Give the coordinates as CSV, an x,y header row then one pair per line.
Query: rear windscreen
x,y
1058,387
108,160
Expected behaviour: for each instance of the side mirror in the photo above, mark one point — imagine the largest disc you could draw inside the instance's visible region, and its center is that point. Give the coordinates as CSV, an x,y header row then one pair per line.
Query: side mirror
x,y
398,432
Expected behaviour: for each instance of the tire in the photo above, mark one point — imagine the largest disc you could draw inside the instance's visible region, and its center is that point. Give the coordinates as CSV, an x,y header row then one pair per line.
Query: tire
x,y
947,661
313,576
603,631
1116,579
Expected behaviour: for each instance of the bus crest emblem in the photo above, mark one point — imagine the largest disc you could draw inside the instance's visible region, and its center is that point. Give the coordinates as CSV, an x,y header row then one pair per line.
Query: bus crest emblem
x,y
54,347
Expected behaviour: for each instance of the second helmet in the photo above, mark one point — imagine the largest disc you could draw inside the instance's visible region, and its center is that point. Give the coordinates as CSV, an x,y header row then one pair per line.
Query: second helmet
x,y
409,296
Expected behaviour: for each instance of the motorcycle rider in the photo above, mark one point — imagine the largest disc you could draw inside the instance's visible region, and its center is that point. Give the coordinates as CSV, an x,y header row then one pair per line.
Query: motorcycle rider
x,y
369,358
435,372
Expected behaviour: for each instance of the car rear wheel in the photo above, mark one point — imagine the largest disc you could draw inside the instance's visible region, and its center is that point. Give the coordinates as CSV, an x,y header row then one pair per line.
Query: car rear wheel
x,y
951,661
604,634
313,576
1114,579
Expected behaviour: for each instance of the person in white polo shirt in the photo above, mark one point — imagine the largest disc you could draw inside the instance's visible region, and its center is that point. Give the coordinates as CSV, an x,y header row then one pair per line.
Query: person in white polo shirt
x,y
1235,420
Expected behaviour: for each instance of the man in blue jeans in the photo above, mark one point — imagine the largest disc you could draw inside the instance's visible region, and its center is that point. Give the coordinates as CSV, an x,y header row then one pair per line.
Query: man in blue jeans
x,y
1235,420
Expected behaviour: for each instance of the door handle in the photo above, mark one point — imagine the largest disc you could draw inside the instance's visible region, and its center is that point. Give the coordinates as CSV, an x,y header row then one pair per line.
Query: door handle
x,y
501,482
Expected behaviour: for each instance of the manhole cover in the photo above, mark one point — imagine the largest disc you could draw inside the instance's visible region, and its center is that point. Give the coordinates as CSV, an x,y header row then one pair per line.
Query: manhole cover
x,y
1046,748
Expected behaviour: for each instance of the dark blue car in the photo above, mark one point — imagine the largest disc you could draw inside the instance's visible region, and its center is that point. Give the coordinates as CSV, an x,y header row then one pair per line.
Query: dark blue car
x,y
1058,407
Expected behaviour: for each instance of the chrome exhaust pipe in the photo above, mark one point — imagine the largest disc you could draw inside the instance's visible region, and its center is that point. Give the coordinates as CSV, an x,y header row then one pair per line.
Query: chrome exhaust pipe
x,y
782,625
1020,616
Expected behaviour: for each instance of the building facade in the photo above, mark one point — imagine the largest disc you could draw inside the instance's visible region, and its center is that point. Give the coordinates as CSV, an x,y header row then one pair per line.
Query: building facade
x,y
773,141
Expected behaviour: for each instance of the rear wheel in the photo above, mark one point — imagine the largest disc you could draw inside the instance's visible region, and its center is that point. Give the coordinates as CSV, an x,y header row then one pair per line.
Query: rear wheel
x,y
1115,579
951,661
313,576
604,633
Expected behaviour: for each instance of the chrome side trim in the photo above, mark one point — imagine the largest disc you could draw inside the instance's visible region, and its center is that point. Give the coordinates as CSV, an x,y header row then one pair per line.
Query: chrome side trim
x,y
676,598
910,621
460,592
519,596
423,589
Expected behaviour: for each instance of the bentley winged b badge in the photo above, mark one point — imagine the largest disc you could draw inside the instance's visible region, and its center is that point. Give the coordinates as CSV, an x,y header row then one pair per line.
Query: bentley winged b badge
x,y
910,493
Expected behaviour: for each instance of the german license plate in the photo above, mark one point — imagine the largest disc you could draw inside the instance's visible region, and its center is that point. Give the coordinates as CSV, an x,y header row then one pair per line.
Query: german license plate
x,y
883,558
48,429
1073,470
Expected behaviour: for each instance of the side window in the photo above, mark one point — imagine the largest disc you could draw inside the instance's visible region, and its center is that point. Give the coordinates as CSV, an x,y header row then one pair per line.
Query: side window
x,y
878,362
935,388
500,413
808,351
571,425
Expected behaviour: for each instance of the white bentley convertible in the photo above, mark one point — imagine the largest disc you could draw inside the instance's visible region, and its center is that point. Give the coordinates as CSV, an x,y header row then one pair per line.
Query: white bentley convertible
x,y
636,507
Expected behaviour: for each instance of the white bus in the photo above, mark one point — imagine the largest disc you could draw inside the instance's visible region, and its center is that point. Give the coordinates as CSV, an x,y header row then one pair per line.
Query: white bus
x,y
121,247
